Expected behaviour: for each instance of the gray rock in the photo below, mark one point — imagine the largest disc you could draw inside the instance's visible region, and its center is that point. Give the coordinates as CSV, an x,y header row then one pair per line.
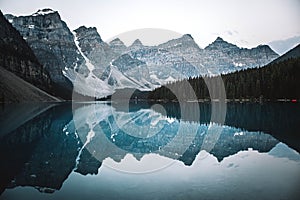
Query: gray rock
x,y
118,46
136,45
220,56
223,57
125,62
17,57
92,46
53,44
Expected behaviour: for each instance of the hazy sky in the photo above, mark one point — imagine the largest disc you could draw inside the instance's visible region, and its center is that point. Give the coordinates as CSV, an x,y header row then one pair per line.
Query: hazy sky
x,y
246,23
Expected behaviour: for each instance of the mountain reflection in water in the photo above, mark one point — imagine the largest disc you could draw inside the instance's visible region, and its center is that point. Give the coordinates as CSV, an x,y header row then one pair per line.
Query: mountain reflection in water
x,y
47,143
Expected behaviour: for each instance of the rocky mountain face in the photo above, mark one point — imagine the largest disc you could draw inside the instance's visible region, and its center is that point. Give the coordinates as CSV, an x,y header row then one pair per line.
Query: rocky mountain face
x,y
220,57
17,57
92,46
187,48
223,57
136,45
118,46
53,44
83,61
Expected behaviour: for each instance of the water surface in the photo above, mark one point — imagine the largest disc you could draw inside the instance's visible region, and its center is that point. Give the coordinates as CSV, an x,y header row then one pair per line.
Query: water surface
x,y
105,151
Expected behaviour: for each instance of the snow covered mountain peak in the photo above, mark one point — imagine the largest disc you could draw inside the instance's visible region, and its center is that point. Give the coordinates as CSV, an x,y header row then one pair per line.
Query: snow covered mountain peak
x,y
44,11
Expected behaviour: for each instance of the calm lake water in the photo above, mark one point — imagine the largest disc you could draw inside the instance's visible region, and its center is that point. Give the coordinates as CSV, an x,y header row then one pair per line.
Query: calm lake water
x,y
108,150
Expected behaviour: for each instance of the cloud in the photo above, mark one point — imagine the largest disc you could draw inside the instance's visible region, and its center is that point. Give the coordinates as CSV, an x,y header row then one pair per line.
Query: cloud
x,y
231,32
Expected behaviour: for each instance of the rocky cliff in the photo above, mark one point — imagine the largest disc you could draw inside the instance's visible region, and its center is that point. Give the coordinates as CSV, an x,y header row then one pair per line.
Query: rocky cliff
x,y
93,47
17,57
136,45
187,48
53,43
118,46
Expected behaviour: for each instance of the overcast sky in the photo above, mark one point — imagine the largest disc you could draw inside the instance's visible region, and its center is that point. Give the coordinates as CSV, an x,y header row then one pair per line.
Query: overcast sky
x,y
246,23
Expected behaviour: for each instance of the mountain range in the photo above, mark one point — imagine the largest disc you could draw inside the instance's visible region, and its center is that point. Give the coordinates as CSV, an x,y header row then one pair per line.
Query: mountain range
x,y
276,81
80,61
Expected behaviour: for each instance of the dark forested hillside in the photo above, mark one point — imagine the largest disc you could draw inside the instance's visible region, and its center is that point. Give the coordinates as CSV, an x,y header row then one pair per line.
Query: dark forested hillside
x,y
274,81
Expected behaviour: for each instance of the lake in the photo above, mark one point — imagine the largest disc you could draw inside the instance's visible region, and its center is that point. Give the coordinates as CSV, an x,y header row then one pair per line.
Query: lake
x,y
142,150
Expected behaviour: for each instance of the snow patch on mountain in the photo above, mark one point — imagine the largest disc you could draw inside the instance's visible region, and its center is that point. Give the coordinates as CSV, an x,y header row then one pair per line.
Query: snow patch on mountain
x,y
90,85
238,64
88,63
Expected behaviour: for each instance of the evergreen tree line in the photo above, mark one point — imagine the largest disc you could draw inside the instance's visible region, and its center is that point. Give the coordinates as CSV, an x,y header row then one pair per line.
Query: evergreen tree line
x,y
274,81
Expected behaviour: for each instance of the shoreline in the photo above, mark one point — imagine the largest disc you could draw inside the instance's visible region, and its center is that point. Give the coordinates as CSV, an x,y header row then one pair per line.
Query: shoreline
x,y
161,100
